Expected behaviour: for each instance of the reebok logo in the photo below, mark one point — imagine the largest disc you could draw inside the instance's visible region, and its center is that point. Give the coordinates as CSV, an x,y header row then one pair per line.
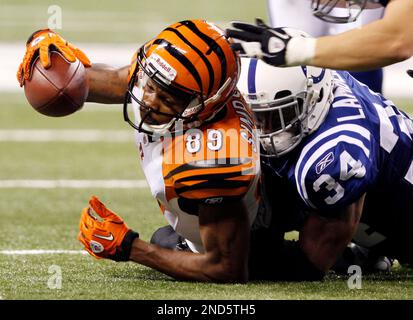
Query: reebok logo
x,y
214,200
324,163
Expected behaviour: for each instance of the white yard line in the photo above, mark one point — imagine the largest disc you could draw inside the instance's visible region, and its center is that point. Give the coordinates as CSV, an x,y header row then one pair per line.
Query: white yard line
x,y
39,252
73,184
33,135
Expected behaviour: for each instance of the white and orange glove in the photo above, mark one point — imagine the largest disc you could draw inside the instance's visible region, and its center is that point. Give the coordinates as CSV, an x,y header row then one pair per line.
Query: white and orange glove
x,y
104,234
39,44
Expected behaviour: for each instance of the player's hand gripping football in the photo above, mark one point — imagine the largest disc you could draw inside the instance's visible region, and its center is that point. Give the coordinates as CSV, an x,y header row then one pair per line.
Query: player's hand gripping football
x,y
39,44
272,45
103,233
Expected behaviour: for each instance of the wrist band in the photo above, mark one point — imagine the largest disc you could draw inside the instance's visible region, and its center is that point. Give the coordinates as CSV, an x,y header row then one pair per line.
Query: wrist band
x,y
300,51
126,247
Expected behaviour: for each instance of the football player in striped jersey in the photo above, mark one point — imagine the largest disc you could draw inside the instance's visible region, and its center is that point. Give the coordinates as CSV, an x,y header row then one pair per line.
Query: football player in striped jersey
x,y
195,139
341,153
197,144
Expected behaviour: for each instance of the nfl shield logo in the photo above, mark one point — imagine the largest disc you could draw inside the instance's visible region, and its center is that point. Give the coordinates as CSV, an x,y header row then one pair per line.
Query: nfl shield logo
x,y
96,247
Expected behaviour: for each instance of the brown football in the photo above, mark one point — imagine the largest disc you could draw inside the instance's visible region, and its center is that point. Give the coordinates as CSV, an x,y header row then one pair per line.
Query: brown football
x,y
59,90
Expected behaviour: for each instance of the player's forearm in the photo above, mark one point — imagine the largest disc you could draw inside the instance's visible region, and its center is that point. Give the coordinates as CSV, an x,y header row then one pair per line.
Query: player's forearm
x,y
181,265
107,84
323,243
323,240
356,50
224,231
377,44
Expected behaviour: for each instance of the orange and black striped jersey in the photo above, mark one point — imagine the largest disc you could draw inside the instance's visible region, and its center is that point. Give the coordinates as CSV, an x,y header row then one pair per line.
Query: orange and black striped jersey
x,y
215,163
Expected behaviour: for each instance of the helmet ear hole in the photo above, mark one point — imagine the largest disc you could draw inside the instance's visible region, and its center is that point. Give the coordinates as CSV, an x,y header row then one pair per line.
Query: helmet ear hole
x,y
282,94
321,96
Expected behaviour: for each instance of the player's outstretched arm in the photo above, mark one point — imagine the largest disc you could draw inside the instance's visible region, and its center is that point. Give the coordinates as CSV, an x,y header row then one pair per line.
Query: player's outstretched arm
x,y
378,44
323,240
224,231
225,234
107,84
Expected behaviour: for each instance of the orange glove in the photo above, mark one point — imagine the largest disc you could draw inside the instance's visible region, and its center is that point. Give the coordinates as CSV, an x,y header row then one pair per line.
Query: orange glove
x,y
107,238
39,44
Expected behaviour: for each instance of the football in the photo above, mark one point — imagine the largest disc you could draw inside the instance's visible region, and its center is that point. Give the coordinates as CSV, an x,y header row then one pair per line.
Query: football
x,y
59,90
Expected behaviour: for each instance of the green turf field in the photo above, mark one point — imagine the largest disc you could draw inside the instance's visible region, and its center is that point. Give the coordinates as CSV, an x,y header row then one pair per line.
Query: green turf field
x,y
48,219
118,21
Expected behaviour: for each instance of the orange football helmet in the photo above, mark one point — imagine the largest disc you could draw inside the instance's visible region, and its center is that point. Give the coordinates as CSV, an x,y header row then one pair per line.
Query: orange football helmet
x,y
191,60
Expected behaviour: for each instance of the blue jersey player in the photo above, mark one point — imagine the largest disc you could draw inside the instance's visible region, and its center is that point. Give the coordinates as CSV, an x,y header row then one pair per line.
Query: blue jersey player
x,y
337,153
377,44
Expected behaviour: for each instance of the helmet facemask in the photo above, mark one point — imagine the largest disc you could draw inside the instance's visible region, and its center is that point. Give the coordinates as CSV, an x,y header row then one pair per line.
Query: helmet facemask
x,y
281,121
338,11
154,69
288,104
148,71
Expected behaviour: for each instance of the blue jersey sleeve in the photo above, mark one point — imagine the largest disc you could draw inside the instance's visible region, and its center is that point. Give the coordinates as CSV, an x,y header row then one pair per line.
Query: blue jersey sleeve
x,y
336,173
